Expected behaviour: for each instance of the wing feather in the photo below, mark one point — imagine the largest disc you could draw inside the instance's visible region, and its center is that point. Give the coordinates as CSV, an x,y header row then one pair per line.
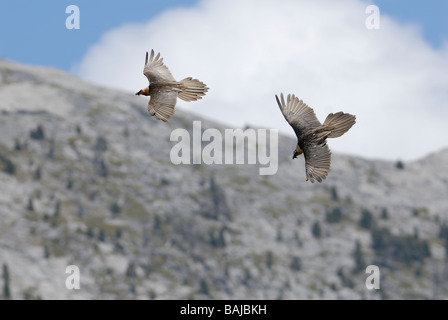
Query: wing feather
x,y
155,70
162,103
298,114
317,161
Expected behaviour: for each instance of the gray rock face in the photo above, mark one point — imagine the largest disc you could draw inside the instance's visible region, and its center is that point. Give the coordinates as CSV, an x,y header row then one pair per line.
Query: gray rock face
x,y
86,180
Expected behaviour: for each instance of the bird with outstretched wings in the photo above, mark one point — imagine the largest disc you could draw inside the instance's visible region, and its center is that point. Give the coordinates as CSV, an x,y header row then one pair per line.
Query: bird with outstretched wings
x,y
312,135
164,90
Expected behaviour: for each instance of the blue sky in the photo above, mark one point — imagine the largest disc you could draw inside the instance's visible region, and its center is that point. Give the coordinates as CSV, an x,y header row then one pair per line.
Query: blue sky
x,y
34,32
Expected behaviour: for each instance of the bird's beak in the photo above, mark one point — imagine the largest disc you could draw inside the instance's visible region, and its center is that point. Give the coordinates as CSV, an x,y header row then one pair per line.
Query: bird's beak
x,y
297,152
144,91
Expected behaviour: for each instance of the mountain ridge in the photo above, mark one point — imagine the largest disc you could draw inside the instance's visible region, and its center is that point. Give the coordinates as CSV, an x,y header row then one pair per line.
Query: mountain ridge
x,y
89,182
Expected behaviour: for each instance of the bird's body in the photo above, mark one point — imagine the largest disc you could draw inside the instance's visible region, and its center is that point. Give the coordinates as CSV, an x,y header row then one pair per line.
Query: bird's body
x,y
312,135
164,89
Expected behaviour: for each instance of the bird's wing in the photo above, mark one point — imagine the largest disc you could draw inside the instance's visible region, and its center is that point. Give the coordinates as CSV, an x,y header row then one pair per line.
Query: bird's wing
x,y
162,103
299,115
317,161
155,70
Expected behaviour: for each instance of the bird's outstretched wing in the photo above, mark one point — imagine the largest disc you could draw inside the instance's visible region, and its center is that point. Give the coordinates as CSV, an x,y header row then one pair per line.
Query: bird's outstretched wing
x,y
299,115
162,103
155,70
317,161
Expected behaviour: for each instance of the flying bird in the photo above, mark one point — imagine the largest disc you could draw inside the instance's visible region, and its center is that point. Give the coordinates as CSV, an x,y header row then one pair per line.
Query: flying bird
x,y
312,135
164,89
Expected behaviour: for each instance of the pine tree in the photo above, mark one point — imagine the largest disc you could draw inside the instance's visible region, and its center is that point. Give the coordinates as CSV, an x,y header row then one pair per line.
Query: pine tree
x,y
446,248
279,237
6,289
334,216
203,287
360,263
115,209
384,214
37,174
367,220
7,164
399,165
56,214
316,230
38,133
17,145
296,264
334,194
101,235
30,206
131,271
269,259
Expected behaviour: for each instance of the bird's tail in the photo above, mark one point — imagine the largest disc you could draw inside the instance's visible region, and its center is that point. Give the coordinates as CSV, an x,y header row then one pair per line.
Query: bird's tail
x,y
192,89
339,123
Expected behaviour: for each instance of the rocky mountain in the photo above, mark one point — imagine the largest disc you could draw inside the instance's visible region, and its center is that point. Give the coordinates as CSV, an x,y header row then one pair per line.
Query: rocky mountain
x,y
86,180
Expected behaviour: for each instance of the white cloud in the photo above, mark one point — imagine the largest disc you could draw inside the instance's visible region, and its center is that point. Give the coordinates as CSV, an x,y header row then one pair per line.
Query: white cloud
x,y
248,51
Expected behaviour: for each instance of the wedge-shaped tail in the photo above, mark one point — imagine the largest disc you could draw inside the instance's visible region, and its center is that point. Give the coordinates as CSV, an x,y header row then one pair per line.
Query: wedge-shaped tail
x,y
192,89
339,123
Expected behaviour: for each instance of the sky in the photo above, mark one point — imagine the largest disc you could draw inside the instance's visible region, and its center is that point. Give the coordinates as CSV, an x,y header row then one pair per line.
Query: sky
x,y
394,79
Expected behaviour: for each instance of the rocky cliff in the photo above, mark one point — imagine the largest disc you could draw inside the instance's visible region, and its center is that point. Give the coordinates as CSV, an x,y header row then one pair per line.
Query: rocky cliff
x,y
86,180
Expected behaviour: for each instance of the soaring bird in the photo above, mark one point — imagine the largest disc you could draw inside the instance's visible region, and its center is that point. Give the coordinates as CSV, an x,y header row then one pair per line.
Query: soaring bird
x,y
164,89
312,135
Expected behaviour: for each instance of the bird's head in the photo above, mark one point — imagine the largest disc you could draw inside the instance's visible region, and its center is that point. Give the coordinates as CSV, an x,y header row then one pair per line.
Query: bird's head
x,y
144,91
297,152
